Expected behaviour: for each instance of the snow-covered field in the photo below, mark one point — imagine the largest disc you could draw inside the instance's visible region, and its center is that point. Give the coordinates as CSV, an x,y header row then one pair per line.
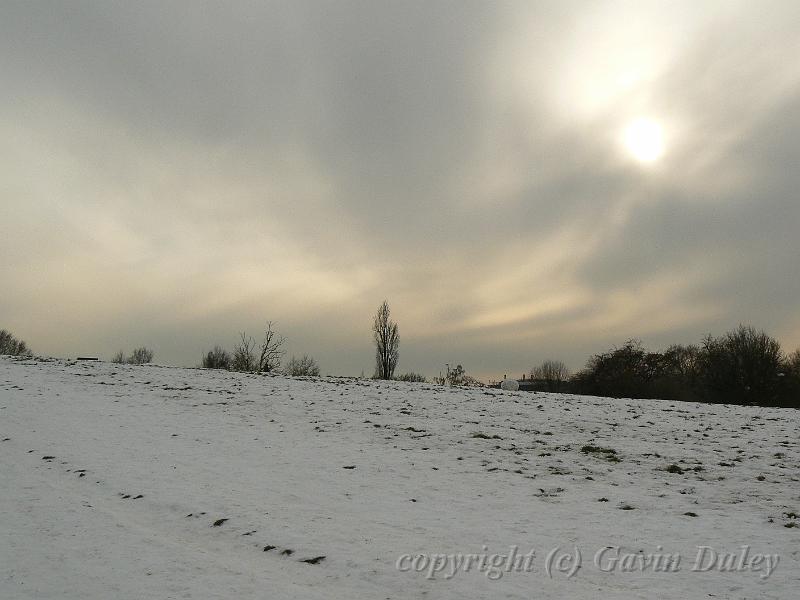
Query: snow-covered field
x,y
152,482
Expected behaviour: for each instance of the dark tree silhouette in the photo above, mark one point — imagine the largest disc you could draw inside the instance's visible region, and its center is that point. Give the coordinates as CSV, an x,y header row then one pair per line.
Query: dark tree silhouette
x,y
552,373
387,341
272,350
218,358
11,345
742,367
244,358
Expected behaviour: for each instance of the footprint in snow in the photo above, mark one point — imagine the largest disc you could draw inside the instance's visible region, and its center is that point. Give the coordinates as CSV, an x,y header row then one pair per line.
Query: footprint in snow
x,y
218,522
287,552
313,561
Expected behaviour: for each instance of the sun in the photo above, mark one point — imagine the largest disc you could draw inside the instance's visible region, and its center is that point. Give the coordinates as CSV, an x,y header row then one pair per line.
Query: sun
x,y
644,140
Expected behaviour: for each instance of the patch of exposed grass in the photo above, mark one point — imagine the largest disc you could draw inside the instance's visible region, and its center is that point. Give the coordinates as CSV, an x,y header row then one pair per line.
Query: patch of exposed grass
x,y
483,436
608,454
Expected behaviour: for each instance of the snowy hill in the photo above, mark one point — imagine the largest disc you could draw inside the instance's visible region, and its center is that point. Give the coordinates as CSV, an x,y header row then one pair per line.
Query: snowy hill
x,y
152,482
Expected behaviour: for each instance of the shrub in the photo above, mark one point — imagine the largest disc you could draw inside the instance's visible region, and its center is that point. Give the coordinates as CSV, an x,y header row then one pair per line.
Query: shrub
x,y
457,377
302,367
470,381
412,377
621,372
119,358
218,358
244,358
790,381
742,367
12,346
141,356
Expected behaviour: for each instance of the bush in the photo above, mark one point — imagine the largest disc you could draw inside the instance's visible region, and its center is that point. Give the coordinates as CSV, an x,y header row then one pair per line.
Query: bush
x,y
140,356
470,381
244,357
302,367
12,346
457,377
679,374
742,367
623,372
218,358
412,377
790,389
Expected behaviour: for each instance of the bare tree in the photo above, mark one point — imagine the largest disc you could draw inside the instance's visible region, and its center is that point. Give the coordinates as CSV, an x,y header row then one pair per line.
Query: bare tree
x,y
272,350
387,341
244,358
554,373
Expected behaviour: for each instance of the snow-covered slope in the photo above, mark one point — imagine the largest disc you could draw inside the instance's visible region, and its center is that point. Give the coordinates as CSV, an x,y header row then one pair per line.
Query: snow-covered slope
x,y
151,482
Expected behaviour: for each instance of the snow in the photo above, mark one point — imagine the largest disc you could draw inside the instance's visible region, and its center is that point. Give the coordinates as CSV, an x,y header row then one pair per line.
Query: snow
x,y
363,472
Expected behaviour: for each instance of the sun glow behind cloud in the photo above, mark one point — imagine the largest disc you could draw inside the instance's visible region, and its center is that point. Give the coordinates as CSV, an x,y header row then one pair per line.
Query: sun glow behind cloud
x,y
644,140
524,175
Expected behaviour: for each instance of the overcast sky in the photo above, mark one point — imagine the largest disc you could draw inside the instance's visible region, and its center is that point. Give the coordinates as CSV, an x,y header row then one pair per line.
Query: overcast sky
x,y
520,180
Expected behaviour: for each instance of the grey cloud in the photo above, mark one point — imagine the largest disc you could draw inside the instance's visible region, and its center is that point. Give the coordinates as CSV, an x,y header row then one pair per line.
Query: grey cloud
x,y
200,159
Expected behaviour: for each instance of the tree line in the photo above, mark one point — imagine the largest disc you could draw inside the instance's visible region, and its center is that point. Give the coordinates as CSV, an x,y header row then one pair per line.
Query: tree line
x,y
743,366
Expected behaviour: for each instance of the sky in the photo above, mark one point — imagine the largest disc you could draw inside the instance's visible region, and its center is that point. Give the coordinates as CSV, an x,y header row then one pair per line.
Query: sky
x,y
520,180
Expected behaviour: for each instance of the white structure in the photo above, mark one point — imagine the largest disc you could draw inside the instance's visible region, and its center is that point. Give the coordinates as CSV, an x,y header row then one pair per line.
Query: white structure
x,y
510,385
